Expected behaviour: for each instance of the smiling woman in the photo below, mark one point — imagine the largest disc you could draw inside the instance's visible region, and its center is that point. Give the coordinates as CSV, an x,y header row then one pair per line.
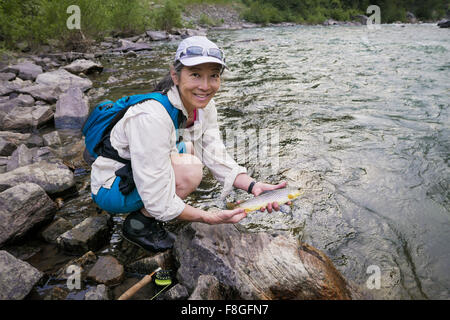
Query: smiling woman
x,y
160,173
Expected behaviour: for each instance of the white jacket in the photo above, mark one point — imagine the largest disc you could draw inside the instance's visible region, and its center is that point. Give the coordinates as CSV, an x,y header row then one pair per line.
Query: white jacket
x,y
147,136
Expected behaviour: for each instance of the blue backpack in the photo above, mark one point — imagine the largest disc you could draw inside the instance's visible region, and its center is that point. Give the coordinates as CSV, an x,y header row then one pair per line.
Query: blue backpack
x,y
101,120
107,113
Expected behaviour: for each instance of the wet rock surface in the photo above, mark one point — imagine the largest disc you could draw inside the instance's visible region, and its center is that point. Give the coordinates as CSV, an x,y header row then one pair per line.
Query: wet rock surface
x,y
22,208
90,234
17,277
107,270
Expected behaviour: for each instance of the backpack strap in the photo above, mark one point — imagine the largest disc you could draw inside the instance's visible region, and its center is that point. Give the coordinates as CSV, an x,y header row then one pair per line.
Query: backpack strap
x,y
105,149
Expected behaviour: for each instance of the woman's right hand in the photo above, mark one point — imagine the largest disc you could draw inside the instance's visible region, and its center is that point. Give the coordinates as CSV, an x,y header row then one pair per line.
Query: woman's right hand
x,y
226,216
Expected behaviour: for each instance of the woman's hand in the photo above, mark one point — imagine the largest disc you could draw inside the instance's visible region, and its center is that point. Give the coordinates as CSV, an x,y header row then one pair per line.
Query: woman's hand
x,y
260,187
226,216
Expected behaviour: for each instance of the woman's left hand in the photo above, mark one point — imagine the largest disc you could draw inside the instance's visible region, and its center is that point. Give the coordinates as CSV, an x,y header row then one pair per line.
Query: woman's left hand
x,y
260,187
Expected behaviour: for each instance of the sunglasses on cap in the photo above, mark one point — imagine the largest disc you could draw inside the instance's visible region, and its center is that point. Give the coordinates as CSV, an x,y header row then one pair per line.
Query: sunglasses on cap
x,y
195,51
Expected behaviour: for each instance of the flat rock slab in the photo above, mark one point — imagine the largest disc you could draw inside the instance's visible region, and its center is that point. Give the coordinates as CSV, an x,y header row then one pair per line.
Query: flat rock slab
x,y
126,45
52,176
23,207
90,234
107,270
63,80
25,70
83,66
17,277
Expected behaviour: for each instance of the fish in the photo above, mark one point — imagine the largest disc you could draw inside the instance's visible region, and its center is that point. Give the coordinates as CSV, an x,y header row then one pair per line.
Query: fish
x,y
279,195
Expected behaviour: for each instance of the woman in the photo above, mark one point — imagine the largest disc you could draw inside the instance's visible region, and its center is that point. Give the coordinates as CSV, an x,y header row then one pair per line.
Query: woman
x,y
164,175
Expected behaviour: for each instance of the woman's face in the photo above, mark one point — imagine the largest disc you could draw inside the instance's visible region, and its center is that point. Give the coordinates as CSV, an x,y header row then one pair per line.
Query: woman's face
x,y
197,84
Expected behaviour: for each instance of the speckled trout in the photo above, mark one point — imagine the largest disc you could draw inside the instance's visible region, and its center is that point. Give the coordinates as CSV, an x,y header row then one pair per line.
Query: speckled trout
x,y
279,195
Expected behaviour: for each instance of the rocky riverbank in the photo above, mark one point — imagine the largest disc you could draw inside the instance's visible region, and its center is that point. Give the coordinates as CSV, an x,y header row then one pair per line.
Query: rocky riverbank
x,y
44,100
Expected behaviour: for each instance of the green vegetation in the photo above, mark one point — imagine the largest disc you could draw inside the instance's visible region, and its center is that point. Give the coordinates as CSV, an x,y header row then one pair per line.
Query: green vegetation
x,y
317,11
30,23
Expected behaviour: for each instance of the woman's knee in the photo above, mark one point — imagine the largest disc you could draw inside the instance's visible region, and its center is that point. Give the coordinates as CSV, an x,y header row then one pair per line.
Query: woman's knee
x,y
188,173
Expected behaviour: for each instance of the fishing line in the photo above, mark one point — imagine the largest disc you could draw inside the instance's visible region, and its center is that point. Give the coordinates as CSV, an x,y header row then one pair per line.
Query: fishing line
x,y
160,291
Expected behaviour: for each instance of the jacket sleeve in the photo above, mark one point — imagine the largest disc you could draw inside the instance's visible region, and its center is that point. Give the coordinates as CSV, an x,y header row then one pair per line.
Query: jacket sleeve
x,y
149,139
214,155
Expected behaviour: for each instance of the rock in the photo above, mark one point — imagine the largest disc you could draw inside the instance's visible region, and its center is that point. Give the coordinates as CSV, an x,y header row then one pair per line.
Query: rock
x,y
330,22
23,100
444,24
83,66
6,147
25,70
63,80
55,229
22,208
3,163
149,264
52,138
361,18
157,35
126,45
113,79
107,270
7,76
41,115
25,119
100,292
41,154
18,118
10,140
90,234
208,288
177,292
42,92
17,277
72,109
7,87
130,54
22,156
256,265
53,176
57,293
411,17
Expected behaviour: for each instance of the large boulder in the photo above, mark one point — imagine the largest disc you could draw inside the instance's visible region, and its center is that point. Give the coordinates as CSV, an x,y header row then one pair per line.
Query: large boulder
x,y
256,265
84,66
53,176
63,80
17,277
47,93
22,208
25,70
27,118
72,109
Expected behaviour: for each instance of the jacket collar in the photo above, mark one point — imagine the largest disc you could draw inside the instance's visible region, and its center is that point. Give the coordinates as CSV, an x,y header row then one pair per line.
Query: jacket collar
x,y
175,100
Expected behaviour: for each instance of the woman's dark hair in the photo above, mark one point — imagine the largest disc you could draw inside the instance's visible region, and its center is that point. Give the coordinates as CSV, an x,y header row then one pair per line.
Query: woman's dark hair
x,y
166,83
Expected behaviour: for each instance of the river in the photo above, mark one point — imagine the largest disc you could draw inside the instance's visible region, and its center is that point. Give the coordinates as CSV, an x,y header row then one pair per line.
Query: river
x,y
357,117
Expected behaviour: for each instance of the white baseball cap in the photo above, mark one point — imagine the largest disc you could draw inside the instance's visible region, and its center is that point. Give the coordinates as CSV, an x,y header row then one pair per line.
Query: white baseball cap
x,y
197,50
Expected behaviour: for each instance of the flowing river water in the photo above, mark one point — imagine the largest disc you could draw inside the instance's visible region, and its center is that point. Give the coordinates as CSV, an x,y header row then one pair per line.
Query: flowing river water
x,y
359,118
